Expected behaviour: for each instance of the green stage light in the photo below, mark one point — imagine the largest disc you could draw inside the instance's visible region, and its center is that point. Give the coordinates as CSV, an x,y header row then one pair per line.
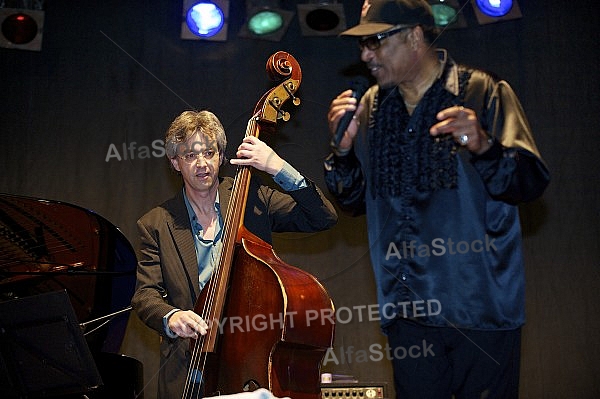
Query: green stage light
x,y
265,22
447,14
443,14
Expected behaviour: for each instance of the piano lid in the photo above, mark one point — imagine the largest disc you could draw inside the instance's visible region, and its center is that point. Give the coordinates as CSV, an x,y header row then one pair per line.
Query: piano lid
x,y
48,245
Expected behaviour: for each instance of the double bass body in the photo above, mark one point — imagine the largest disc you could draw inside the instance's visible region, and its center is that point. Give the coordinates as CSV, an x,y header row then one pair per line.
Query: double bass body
x,y
276,328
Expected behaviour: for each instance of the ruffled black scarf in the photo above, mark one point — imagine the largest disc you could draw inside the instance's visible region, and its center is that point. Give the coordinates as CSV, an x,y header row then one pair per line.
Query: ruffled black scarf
x,y
406,160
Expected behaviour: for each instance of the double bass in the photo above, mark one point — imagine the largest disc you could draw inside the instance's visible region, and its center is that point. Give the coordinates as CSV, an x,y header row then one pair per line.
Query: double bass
x,y
270,323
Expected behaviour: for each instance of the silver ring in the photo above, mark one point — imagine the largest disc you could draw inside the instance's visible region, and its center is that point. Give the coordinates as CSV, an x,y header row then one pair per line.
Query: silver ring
x,y
463,139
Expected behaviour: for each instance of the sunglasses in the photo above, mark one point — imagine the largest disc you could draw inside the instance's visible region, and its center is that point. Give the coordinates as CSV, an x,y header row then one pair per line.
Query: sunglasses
x,y
374,42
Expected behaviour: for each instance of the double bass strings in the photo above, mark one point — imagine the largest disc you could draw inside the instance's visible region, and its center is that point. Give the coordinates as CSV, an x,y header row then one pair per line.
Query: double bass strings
x,y
234,214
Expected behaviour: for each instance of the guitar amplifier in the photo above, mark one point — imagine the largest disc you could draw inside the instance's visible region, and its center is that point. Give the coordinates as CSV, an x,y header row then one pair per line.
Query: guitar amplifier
x,y
354,390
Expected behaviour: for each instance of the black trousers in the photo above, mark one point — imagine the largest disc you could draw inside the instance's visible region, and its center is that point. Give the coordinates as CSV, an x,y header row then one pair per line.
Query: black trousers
x,y
438,362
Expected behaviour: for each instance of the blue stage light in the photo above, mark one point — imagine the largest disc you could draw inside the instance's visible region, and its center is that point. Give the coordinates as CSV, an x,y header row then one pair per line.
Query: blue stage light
x,y
205,19
494,8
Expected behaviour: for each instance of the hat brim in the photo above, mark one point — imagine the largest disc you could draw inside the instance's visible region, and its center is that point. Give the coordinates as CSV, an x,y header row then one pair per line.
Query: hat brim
x,y
367,29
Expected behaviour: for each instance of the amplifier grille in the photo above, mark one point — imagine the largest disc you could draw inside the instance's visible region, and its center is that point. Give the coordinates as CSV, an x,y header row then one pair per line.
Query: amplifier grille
x,y
353,391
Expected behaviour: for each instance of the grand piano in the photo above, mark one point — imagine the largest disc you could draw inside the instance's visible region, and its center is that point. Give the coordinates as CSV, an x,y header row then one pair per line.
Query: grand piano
x,y
46,247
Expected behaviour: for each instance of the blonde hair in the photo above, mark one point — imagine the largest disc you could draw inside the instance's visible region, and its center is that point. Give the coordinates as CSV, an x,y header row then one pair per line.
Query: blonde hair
x,y
189,123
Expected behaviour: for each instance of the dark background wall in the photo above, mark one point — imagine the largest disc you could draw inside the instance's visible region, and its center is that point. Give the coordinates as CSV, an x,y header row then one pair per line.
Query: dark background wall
x,y
115,73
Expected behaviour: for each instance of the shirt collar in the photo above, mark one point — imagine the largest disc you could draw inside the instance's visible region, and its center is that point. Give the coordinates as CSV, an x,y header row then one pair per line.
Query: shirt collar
x,y
190,210
451,83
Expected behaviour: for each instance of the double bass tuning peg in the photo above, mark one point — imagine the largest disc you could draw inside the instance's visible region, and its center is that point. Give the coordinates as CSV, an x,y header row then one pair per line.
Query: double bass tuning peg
x,y
291,89
283,115
280,114
277,101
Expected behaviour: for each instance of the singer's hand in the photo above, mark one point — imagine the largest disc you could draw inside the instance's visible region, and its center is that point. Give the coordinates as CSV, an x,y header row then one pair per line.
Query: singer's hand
x,y
339,106
463,125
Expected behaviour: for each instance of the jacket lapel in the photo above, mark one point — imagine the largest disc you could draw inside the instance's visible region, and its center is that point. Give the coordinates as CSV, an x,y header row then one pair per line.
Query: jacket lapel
x,y
184,241
181,232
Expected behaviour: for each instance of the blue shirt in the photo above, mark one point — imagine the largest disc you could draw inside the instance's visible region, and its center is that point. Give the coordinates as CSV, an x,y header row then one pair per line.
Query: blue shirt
x,y
208,251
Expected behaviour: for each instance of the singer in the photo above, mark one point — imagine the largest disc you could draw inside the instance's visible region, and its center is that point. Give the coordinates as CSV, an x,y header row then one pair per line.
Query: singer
x,y
181,238
438,149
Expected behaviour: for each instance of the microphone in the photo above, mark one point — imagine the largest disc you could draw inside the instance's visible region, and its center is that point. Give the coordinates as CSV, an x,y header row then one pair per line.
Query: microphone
x,y
359,86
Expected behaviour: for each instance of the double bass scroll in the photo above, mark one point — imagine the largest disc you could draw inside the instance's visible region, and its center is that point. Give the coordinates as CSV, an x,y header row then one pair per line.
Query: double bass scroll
x,y
271,323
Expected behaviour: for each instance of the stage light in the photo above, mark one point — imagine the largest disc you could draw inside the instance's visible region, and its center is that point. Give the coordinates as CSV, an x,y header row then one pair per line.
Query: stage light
x,y
447,14
265,20
443,13
22,29
205,20
321,18
490,11
494,8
